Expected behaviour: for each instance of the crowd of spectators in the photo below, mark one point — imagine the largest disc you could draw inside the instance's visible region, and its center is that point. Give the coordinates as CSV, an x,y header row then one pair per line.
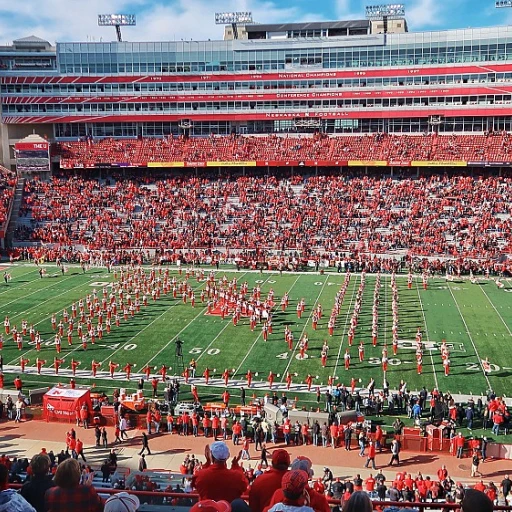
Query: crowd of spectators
x,y
7,186
450,216
62,484
489,147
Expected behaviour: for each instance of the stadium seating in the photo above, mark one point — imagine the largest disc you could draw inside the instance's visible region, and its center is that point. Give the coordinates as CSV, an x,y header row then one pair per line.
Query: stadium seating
x,y
491,147
456,216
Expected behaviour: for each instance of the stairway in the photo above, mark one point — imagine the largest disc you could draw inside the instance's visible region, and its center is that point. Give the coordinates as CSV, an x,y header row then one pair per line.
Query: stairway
x,y
15,212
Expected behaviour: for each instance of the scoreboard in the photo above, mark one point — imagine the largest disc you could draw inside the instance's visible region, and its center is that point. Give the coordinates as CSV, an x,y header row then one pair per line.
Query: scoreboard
x,y
32,156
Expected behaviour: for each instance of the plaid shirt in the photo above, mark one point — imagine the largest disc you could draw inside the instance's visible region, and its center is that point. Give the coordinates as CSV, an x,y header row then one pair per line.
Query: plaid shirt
x,y
82,498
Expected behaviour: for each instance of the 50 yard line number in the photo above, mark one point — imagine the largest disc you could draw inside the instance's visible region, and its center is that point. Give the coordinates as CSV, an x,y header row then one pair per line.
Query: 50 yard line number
x,y
210,352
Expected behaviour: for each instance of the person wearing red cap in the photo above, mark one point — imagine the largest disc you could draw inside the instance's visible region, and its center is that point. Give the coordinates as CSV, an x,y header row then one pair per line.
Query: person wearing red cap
x,y
316,501
263,488
294,493
211,506
214,480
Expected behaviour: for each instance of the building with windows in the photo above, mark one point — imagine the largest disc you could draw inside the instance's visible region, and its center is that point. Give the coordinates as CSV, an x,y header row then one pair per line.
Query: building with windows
x,y
337,78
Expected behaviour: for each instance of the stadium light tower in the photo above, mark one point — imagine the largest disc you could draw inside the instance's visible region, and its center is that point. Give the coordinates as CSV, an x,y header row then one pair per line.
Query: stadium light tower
x,y
117,20
233,18
385,13
503,3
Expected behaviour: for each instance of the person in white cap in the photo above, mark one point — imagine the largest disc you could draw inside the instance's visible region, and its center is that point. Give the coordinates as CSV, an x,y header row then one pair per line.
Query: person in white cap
x,y
122,502
214,481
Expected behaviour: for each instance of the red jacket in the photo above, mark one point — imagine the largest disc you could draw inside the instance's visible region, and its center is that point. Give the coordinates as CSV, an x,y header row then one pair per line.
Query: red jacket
x,y
217,482
263,488
317,502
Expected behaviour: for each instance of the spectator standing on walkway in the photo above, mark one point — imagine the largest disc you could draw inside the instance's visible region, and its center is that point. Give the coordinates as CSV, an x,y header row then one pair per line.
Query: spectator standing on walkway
x,y
475,462
34,489
506,485
370,455
395,452
459,444
145,444
20,405
123,426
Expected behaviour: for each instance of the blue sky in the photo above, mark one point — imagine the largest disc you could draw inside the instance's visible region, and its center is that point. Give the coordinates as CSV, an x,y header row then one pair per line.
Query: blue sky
x,y
75,20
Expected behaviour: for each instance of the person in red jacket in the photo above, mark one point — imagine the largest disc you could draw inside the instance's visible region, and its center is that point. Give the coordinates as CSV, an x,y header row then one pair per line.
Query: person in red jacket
x,y
263,488
214,481
56,364
84,417
74,365
225,398
215,426
225,376
112,368
39,364
309,497
370,455
79,449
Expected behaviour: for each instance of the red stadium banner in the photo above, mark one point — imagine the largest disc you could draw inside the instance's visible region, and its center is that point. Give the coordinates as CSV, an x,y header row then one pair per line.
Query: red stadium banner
x,y
32,146
381,113
270,96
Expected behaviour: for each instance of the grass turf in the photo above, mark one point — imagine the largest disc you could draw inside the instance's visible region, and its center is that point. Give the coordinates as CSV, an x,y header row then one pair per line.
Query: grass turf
x,y
475,318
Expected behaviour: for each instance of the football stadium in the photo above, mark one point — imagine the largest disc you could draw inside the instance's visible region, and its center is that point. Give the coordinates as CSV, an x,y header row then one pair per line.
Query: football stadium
x,y
297,236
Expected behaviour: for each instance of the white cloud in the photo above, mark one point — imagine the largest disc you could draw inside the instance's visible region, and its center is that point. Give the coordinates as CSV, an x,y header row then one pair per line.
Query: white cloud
x,y
425,13
76,20
345,11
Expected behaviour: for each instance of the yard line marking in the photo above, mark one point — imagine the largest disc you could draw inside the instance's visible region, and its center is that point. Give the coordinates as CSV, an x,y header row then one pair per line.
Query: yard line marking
x,y
347,316
471,339
304,328
385,304
44,320
492,304
174,337
39,290
16,288
258,337
428,336
166,346
123,344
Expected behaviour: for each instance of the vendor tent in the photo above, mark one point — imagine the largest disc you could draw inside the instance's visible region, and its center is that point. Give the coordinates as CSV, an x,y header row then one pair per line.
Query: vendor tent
x,y
61,403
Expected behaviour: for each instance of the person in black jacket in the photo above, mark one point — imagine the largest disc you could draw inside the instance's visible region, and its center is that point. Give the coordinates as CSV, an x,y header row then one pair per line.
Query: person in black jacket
x,y
145,444
33,490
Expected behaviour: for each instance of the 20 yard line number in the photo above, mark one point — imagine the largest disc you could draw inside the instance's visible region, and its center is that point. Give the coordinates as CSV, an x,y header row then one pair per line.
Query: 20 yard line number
x,y
210,351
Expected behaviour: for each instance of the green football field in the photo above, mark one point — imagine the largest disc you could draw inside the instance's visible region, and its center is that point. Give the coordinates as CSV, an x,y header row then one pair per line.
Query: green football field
x,y
475,320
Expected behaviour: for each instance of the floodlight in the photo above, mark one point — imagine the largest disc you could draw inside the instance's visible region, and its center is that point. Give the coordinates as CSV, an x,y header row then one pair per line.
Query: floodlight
x,y
503,3
389,11
117,20
111,20
225,18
